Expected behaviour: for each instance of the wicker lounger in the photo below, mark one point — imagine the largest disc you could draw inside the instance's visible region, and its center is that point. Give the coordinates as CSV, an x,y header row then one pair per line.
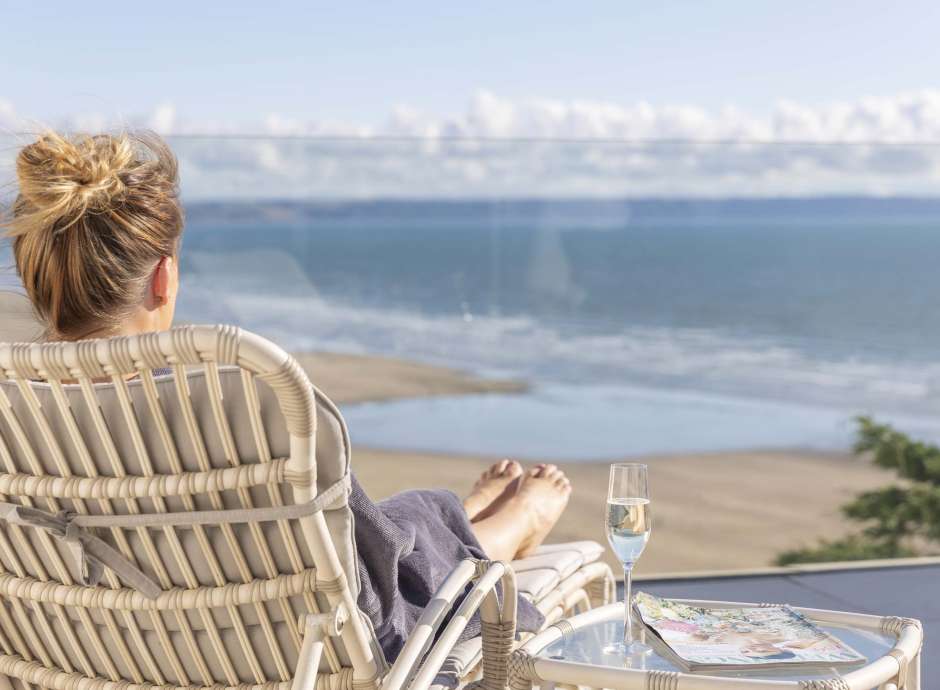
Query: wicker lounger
x,y
207,541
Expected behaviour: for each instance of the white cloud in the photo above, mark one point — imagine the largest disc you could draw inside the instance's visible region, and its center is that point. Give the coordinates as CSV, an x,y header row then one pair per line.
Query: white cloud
x,y
496,148
163,118
8,117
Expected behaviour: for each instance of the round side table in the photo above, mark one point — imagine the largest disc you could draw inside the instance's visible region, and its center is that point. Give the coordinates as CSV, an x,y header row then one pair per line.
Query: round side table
x,y
571,652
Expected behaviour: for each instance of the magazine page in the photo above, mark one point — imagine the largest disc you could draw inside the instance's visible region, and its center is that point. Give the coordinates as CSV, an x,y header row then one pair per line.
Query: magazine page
x,y
749,637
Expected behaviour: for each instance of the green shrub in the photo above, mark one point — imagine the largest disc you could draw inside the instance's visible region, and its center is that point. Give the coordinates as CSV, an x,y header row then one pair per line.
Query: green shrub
x,y
853,548
894,517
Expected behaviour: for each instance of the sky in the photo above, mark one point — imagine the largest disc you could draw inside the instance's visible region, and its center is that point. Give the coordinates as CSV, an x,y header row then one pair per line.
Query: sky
x,y
725,70
355,61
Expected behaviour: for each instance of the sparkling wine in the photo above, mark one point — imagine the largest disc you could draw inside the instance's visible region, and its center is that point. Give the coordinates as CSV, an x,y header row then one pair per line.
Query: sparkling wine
x,y
628,527
628,530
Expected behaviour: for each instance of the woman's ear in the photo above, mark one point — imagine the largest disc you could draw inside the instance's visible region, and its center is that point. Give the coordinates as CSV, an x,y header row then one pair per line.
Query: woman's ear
x,y
161,283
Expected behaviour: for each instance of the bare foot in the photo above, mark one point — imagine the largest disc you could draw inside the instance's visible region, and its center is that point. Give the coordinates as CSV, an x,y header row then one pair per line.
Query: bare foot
x,y
543,493
490,488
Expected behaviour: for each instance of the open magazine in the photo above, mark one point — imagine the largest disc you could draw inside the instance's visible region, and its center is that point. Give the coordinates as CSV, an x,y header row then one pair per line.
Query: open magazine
x,y
729,639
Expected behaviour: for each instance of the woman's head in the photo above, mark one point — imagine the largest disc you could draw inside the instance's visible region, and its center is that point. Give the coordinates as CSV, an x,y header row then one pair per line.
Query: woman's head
x,y
95,230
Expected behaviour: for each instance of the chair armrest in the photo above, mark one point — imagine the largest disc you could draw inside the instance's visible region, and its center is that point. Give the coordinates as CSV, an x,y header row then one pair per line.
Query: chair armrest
x,y
406,665
498,624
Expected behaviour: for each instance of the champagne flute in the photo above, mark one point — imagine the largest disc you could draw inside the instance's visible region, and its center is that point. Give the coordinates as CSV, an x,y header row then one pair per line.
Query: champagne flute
x,y
628,530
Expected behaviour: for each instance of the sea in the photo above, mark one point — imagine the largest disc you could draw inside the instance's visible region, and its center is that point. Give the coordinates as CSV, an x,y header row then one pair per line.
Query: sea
x,y
642,326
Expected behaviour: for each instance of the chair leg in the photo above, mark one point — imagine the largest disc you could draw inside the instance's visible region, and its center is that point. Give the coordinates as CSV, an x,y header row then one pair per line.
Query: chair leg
x,y
315,628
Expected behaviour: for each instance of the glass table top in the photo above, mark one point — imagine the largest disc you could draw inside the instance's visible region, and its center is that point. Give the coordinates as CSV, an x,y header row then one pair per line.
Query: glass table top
x,y
585,645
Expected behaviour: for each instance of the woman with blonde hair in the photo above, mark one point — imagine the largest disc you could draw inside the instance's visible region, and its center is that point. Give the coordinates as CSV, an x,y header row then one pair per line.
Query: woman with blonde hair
x,y
96,231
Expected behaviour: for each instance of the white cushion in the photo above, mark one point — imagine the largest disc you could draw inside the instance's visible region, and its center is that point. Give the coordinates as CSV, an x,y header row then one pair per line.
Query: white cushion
x,y
540,573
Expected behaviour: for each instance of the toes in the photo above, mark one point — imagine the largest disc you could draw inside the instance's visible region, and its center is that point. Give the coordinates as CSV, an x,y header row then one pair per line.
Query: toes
x,y
494,471
504,469
557,477
553,475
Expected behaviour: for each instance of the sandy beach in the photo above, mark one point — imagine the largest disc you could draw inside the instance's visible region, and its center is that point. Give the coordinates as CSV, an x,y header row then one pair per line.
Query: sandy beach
x,y
360,378
17,323
712,511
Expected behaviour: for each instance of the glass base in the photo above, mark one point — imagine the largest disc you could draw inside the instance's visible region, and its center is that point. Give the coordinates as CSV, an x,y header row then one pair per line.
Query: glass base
x,y
634,648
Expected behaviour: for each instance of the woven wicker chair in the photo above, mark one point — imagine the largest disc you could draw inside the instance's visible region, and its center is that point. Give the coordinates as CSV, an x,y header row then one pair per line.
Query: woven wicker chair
x,y
191,530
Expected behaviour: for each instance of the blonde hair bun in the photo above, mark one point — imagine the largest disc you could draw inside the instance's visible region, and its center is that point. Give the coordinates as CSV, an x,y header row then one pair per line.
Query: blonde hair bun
x,y
61,178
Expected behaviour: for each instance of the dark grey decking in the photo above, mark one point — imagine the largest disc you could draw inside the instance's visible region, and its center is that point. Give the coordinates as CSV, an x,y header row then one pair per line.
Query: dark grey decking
x,y
912,591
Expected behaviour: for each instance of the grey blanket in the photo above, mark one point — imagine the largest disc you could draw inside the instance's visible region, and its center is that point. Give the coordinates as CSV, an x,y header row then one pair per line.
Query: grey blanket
x,y
408,544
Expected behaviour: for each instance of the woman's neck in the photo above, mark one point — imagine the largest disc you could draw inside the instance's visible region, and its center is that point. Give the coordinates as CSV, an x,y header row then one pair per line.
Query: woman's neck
x,y
142,322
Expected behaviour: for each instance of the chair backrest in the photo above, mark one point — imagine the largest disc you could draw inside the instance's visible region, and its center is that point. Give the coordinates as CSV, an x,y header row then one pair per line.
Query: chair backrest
x,y
93,428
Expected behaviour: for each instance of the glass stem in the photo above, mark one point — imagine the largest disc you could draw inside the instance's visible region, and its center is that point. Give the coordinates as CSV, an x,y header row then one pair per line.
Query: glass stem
x,y
627,604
